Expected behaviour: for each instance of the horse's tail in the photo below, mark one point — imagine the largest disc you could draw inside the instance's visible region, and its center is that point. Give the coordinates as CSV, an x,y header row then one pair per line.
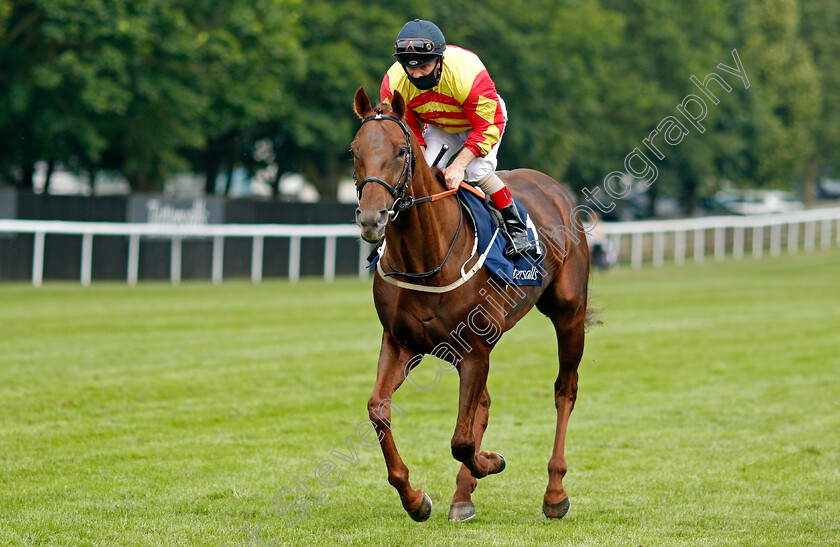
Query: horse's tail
x,y
593,313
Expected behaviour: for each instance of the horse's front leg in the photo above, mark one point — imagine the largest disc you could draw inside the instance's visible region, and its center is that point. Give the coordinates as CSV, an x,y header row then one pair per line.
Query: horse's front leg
x,y
462,507
389,376
473,374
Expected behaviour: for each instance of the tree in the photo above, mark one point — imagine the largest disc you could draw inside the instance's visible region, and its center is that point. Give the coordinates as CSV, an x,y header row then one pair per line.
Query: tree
x,y
786,99
347,46
253,52
151,87
820,29
215,73
131,85
667,43
50,84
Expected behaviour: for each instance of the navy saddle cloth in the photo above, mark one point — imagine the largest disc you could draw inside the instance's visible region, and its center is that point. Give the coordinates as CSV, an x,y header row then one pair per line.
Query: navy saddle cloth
x,y
522,270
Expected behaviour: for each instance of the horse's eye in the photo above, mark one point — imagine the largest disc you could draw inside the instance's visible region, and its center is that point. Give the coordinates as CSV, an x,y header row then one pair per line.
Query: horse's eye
x,y
401,153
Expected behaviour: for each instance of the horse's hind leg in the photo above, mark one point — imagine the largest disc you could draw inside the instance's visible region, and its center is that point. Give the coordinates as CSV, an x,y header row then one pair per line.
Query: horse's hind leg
x,y
570,345
564,302
462,507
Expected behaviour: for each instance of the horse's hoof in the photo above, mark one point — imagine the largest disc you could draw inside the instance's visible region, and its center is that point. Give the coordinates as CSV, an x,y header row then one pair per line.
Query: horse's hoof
x,y
556,510
461,512
501,465
422,513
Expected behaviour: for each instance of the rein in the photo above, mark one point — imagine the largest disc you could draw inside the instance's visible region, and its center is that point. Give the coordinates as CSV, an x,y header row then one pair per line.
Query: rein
x,y
403,203
435,270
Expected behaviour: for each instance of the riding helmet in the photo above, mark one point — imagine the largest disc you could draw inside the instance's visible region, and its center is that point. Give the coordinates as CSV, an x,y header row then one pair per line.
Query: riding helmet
x,y
418,43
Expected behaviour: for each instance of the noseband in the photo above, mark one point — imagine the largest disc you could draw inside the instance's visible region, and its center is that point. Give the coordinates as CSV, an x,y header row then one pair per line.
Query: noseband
x,y
398,191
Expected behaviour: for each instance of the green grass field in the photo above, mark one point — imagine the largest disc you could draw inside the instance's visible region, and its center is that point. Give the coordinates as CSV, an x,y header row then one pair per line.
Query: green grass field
x,y
708,414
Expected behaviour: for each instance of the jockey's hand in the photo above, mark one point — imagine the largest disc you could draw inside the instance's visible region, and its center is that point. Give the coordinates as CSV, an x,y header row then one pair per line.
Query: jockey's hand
x,y
454,173
453,176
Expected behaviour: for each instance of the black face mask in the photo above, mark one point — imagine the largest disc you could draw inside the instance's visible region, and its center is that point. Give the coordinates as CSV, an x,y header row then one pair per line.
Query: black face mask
x,y
428,81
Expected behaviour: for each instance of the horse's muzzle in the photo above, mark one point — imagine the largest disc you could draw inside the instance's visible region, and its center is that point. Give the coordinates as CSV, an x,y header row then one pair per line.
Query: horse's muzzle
x,y
372,224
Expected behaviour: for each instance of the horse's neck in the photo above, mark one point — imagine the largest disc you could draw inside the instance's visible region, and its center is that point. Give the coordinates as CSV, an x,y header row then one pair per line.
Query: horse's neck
x,y
419,238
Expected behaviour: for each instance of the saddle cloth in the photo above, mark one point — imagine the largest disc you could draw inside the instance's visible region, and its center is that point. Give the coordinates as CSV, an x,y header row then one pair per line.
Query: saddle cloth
x,y
521,270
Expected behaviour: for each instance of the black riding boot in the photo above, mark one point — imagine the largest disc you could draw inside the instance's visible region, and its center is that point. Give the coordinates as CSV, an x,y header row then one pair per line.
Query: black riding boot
x,y
515,229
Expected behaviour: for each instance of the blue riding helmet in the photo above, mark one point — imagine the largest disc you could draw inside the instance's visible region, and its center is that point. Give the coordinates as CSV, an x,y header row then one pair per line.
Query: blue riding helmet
x,y
419,43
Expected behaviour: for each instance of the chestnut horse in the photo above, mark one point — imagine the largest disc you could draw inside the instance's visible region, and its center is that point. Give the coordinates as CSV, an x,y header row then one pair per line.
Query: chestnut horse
x,y
427,305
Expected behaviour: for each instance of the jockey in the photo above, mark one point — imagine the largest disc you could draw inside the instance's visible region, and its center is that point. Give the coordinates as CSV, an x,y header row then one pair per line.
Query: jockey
x,y
449,90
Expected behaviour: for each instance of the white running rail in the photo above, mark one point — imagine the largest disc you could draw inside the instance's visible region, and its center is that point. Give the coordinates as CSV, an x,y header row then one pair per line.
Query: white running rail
x,y
655,241
176,233
659,240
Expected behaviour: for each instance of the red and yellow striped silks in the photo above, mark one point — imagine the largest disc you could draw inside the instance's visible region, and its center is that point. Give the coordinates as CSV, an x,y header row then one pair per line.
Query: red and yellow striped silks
x,y
465,99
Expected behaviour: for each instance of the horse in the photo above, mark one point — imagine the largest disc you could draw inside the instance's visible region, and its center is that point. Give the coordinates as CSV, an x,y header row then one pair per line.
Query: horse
x,y
421,293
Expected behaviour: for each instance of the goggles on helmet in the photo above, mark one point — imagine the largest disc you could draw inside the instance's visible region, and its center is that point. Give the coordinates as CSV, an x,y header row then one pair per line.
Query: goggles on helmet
x,y
414,45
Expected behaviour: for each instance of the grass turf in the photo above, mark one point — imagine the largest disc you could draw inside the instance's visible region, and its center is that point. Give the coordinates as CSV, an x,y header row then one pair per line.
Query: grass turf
x,y
708,414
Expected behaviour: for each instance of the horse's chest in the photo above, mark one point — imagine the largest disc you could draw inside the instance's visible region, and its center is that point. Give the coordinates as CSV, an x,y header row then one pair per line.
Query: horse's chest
x,y
420,328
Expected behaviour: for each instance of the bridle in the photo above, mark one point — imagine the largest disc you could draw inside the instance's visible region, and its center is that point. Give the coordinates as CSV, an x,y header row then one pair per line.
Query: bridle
x,y
398,191
403,203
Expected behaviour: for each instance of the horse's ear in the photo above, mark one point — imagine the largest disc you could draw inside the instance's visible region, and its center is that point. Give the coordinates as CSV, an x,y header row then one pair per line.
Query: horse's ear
x,y
398,105
362,104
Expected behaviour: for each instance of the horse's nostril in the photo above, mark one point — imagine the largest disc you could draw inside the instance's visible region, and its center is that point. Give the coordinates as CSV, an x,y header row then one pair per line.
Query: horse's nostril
x,y
372,220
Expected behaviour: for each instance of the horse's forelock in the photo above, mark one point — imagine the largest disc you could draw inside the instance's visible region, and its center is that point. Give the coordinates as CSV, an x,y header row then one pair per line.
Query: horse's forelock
x,y
383,108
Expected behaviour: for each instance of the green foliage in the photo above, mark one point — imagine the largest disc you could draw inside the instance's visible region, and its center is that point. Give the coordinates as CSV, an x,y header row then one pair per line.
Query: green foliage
x,y
551,64
786,98
155,86
820,30
345,47
127,85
